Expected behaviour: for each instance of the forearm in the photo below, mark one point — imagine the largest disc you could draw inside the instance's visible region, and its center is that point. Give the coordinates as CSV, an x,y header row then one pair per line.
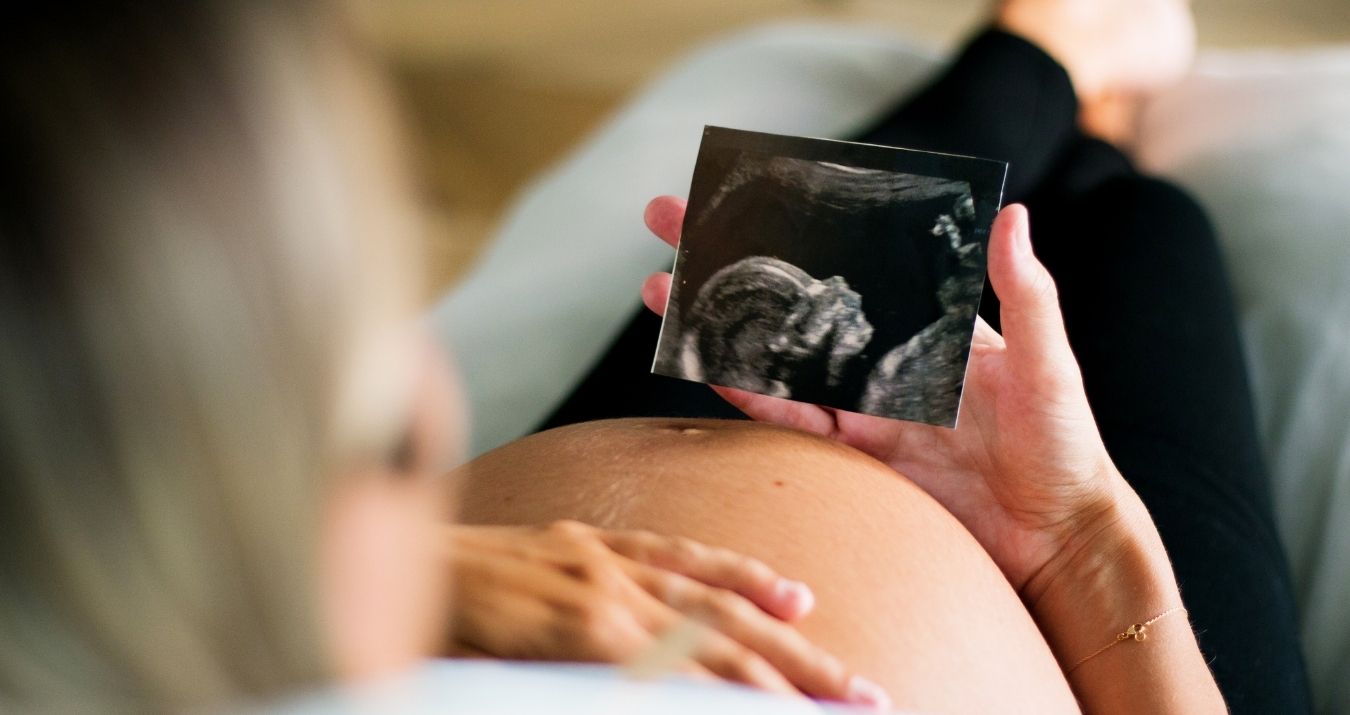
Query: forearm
x,y
1113,578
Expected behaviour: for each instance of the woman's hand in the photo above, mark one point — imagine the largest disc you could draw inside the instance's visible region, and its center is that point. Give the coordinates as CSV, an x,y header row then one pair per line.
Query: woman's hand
x,y
1025,470
572,592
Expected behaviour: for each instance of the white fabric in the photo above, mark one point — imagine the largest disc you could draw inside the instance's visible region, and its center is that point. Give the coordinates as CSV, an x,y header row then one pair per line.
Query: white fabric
x,y
488,687
1262,139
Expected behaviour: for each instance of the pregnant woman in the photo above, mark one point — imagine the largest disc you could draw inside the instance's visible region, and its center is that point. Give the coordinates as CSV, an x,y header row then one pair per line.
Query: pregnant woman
x,y
1103,502
222,449
970,570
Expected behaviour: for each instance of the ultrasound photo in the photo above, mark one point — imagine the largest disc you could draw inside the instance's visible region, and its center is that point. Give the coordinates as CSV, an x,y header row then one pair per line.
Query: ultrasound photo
x,y
846,275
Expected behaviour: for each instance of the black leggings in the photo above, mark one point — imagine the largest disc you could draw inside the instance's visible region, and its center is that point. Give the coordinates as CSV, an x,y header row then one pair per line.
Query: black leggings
x,y
1150,317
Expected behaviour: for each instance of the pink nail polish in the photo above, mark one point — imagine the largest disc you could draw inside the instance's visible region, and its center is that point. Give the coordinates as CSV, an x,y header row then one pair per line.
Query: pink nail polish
x,y
862,691
796,597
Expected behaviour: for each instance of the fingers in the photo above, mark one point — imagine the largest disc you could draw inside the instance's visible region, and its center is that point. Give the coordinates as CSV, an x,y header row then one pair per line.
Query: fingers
x,y
716,567
665,217
780,411
688,645
656,292
734,662
743,639
574,592
740,599
1032,323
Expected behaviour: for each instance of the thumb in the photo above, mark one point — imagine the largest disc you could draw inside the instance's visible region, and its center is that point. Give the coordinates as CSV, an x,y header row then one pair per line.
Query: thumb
x,y
1032,323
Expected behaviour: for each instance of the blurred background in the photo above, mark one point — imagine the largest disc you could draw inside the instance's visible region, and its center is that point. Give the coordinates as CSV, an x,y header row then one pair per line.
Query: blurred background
x,y
494,91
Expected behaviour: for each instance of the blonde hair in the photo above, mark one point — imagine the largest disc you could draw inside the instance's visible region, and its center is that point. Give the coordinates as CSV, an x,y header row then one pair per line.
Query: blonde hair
x,y
202,237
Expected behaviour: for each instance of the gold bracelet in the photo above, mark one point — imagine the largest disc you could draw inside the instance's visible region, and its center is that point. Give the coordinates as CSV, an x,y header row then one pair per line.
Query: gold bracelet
x,y
1137,632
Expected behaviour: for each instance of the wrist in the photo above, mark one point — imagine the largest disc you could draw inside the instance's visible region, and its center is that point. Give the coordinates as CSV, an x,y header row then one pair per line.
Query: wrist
x,y
1112,571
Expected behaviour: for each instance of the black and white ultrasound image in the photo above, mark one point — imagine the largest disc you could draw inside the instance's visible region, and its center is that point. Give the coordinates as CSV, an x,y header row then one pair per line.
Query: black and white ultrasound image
x,y
840,274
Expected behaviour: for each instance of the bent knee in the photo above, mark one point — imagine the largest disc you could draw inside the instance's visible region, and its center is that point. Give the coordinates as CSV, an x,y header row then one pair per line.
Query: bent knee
x,y
1149,213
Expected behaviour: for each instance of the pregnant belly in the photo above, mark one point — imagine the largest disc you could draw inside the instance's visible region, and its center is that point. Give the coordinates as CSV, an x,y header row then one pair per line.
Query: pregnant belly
x,y
904,594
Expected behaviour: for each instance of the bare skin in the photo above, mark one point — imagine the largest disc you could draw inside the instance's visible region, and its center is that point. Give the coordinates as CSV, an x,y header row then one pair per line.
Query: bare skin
x,y
569,591
903,597
1026,472
1108,45
1117,52
966,570
904,593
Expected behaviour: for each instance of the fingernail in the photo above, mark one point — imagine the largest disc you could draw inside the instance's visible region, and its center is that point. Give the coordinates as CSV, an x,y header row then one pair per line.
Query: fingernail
x,y
862,691
795,597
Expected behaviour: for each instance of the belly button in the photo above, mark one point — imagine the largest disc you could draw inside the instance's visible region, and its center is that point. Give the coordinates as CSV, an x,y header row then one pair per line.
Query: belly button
x,y
677,429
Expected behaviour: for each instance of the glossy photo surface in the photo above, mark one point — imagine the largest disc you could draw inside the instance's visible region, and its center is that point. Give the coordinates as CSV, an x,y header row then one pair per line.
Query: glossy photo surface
x,y
842,274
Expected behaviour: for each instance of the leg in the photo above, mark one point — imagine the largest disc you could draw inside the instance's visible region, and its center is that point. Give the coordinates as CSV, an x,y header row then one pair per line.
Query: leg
x,y
1151,320
1003,98
904,594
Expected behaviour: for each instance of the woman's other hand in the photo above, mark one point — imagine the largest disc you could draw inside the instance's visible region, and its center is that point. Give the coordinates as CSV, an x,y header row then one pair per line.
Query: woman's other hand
x,y
572,592
1025,470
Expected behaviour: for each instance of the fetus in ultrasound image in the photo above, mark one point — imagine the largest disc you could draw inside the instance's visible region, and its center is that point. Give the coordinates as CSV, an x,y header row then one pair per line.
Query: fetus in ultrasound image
x,y
765,325
840,274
